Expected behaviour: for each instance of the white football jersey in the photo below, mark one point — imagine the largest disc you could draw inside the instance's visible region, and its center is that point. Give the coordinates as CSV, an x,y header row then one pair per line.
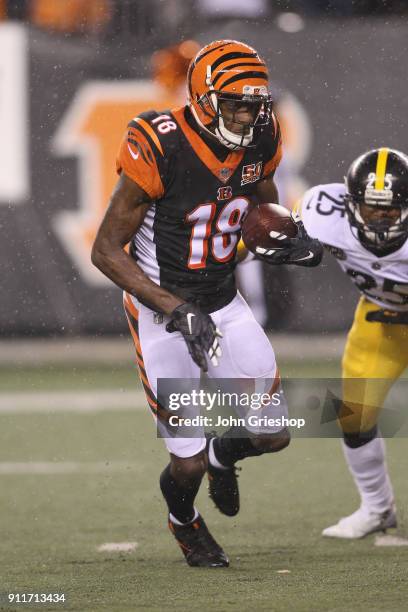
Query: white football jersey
x,y
383,280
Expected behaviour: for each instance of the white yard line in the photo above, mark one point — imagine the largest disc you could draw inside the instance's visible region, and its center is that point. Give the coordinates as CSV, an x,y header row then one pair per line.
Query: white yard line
x,y
108,400
390,540
64,467
118,547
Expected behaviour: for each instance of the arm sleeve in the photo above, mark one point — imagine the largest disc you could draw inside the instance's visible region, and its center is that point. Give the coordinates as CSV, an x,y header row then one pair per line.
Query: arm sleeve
x,y
137,159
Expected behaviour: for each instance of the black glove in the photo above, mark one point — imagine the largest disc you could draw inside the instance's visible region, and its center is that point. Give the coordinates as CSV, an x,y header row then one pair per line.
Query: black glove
x,y
300,251
199,331
387,316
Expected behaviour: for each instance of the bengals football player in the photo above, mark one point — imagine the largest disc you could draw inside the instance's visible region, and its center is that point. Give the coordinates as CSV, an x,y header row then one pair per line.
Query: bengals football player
x,y
364,224
187,177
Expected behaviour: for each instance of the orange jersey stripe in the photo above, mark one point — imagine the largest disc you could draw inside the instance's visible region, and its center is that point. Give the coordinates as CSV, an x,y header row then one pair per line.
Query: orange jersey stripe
x,y
131,311
136,341
140,363
142,375
135,338
273,163
204,153
275,123
148,128
130,306
276,383
144,380
137,160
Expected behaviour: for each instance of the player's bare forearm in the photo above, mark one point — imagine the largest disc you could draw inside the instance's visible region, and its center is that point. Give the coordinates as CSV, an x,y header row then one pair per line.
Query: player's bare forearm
x,y
123,218
125,272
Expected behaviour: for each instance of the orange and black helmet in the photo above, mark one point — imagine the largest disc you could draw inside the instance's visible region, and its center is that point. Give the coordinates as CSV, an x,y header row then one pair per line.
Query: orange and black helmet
x,y
233,71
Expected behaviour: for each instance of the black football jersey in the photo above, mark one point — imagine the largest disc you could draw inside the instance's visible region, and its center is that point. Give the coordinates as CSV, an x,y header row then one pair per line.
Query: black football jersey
x,y
187,242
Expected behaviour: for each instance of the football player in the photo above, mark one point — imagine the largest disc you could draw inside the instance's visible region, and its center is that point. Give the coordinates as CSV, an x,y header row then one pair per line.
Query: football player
x,y
364,223
187,177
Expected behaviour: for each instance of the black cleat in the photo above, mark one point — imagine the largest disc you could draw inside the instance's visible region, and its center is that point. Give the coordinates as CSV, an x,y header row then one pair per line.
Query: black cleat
x,y
223,488
198,546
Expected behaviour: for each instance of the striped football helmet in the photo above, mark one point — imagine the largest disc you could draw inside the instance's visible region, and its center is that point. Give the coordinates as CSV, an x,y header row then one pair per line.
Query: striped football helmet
x,y
377,198
228,73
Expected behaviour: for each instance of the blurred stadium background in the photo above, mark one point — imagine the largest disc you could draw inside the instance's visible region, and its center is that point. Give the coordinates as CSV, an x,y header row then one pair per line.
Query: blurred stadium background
x,y
79,459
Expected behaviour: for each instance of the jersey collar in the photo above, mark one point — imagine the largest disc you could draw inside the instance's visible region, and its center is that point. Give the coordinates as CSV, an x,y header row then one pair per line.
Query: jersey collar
x,y
223,170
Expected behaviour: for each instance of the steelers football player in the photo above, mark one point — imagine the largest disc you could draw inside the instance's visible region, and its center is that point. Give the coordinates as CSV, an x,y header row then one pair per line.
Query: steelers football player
x,y
187,177
364,223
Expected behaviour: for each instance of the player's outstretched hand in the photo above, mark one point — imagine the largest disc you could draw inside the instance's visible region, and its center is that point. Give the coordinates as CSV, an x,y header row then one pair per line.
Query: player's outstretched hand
x,y
200,333
387,316
300,251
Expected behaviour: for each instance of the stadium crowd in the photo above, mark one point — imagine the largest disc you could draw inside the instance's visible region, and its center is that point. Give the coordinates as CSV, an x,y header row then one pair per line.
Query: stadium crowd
x,y
101,16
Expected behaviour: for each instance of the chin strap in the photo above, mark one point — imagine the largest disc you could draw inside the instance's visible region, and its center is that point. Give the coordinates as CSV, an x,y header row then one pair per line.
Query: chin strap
x,y
370,239
225,137
231,140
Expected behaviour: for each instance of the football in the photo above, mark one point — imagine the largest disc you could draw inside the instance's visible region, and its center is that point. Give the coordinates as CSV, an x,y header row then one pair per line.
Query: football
x,y
266,225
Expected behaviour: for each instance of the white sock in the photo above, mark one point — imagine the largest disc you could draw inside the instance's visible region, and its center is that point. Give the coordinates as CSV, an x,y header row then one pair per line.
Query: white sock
x,y
368,467
177,522
213,459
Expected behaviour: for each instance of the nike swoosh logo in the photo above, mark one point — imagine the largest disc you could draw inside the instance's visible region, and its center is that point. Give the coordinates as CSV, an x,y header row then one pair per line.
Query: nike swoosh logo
x,y
307,257
190,315
134,155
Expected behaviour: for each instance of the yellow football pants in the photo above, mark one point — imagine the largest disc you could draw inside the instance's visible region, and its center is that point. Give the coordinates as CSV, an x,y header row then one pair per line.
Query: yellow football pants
x,y
376,354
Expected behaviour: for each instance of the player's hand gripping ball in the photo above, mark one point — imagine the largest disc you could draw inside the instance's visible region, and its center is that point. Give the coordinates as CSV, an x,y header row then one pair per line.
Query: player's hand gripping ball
x,y
266,225
277,236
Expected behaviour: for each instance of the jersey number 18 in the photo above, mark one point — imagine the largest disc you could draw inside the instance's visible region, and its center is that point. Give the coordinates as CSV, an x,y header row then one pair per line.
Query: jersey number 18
x,y
219,233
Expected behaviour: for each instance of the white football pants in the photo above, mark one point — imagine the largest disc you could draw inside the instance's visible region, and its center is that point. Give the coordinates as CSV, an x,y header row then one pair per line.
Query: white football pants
x,y
246,353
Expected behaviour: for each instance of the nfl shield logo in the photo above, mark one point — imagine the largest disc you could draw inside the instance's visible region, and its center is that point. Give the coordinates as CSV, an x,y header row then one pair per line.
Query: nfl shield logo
x,y
224,173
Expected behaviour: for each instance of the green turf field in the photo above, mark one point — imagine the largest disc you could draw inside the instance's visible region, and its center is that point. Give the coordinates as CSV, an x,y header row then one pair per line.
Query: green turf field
x,y
122,375
101,485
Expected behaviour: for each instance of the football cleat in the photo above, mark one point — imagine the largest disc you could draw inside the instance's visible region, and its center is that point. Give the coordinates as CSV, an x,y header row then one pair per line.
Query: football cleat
x,y
197,544
223,487
361,523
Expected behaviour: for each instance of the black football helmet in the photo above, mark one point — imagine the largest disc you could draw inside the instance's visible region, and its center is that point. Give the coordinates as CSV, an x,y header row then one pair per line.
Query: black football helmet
x,y
378,180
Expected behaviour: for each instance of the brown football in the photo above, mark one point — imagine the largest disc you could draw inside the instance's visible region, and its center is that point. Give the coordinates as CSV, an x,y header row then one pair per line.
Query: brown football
x,y
264,226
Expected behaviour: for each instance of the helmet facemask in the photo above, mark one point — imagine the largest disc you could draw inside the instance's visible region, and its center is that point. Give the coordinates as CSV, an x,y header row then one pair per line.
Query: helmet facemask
x,y
376,199
227,107
212,104
382,233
